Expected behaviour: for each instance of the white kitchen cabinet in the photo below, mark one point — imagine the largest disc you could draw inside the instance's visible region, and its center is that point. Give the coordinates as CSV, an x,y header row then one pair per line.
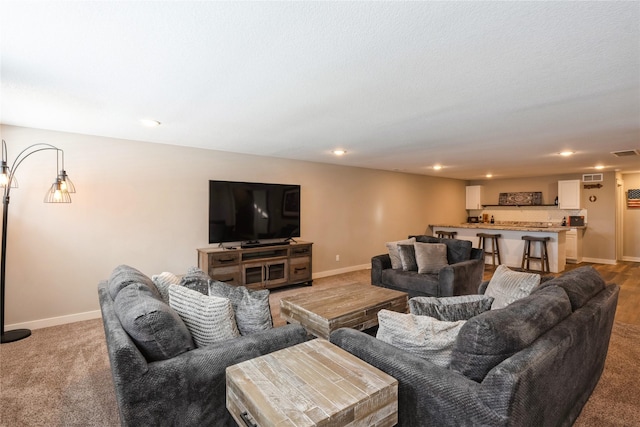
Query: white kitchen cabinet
x,y
569,194
573,244
474,197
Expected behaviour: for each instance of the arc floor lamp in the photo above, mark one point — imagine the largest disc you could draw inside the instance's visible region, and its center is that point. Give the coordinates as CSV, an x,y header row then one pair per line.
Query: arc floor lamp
x,y
58,193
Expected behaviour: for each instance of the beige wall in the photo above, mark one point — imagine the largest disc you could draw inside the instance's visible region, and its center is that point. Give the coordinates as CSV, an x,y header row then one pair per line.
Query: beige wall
x,y
599,237
631,220
146,205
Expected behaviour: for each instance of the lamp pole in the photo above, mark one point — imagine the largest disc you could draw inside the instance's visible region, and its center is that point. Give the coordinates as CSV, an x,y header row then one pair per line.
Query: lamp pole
x,y
57,194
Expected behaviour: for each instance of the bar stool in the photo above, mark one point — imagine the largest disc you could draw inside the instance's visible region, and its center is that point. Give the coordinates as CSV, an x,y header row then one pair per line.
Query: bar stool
x,y
544,255
495,249
446,234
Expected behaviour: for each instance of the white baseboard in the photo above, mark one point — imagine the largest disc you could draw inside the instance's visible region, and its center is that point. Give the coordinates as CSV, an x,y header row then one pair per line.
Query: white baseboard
x,y
341,270
55,321
599,260
630,258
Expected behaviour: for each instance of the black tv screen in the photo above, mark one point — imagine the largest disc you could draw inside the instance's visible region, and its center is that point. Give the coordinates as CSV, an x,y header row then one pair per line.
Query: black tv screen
x,y
250,211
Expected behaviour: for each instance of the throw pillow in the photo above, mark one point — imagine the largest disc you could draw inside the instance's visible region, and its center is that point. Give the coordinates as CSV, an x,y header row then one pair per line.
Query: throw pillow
x,y
495,335
197,280
423,336
124,275
162,282
507,286
209,319
408,257
393,251
580,284
156,329
251,308
430,257
450,309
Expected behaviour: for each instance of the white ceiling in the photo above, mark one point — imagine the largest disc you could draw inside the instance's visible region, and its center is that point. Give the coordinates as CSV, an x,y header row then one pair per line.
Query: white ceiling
x,y
479,87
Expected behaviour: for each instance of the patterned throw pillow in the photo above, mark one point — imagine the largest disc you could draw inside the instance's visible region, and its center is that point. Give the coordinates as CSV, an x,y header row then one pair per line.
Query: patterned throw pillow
x,y
252,310
396,263
423,336
209,319
197,280
430,257
507,286
450,309
162,282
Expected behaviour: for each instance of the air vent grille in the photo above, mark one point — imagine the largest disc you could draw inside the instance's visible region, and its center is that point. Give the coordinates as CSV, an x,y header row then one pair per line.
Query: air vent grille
x,y
592,177
625,153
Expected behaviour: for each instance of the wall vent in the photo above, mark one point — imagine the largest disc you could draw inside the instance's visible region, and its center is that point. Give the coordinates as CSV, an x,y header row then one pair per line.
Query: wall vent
x,y
625,153
592,177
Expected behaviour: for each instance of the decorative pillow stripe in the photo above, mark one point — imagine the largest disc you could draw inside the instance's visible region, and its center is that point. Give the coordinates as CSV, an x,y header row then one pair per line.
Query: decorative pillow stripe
x,y
423,336
209,319
507,286
162,282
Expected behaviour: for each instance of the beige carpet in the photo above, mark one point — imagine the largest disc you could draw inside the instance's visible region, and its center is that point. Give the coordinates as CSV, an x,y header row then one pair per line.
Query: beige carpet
x,y
60,377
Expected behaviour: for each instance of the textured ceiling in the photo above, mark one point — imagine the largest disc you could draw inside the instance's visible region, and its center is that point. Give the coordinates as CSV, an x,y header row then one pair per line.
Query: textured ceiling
x,y
479,87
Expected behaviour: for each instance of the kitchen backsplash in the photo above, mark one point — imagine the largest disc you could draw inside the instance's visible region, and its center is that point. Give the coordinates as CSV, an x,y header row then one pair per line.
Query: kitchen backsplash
x,y
529,214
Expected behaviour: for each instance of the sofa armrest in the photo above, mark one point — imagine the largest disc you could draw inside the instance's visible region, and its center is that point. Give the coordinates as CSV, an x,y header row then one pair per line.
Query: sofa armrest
x,y
462,278
379,263
427,394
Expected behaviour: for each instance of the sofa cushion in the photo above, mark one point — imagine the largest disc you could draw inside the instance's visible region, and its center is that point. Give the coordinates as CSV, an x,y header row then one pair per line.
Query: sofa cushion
x,y
408,257
450,309
580,284
396,263
423,336
457,250
507,285
196,280
124,275
495,335
156,329
209,319
251,307
162,282
430,257
411,282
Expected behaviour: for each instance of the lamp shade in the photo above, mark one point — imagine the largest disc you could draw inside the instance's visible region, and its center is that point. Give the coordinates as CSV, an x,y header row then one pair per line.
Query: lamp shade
x,y
57,194
5,176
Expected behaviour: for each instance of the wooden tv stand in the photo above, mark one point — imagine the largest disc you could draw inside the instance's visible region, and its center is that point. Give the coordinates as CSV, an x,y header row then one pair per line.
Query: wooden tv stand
x,y
262,267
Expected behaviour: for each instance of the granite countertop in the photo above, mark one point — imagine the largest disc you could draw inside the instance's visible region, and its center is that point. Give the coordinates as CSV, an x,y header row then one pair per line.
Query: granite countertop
x,y
511,226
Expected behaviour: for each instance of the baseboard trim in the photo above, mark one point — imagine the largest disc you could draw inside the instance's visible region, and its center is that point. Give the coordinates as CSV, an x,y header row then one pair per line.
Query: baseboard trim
x,y
341,271
55,321
630,259
599,260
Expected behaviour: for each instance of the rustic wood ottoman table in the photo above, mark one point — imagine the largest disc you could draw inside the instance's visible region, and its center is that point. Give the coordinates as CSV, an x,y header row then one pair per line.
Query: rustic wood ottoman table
x,y
350,306
311,384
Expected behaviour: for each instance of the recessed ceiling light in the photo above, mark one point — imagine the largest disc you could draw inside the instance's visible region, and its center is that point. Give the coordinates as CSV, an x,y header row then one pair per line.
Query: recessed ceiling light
x,y
339,152
567,153
599,167
437,167
150,123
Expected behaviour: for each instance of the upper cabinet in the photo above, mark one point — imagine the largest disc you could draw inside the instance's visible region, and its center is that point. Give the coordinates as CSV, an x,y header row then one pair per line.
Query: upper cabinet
x,y
474,197
569,194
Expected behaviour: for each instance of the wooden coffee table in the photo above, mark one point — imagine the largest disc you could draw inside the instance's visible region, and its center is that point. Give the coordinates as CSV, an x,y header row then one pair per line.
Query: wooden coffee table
x,y
352,306
309,384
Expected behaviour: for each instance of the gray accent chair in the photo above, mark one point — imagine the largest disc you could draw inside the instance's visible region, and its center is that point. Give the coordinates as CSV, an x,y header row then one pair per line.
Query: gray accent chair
x,y
462,276
532,363
188,389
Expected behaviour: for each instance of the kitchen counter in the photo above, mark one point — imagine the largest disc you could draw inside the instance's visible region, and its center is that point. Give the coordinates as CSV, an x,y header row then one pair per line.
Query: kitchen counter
x,y
511,243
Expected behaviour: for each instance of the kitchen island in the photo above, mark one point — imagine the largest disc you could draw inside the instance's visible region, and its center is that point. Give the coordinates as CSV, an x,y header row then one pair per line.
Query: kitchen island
x,y
511,243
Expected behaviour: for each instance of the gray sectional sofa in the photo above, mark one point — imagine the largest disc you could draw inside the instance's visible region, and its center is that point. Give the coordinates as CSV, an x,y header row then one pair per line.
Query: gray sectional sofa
x,y
532,363
462,276
160,378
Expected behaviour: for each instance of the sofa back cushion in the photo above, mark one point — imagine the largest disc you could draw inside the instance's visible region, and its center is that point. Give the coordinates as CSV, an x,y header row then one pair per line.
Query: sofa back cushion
x,y
580,284
493,336
154,327
124,275
457,250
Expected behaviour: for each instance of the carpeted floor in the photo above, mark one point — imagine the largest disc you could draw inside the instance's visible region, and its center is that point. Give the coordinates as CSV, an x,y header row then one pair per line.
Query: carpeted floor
x,y
60,377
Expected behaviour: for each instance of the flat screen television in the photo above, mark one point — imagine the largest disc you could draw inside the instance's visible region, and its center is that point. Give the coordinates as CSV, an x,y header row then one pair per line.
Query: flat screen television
x,y
251,212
